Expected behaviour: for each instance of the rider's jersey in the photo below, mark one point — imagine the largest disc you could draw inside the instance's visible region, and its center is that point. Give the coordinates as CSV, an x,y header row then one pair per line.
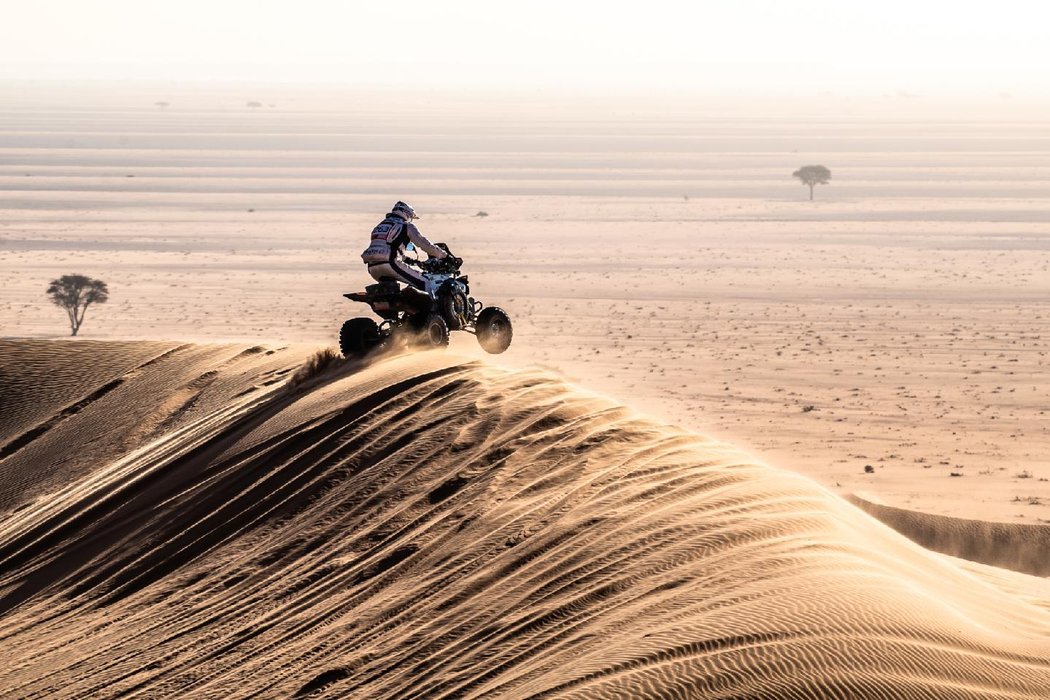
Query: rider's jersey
x,y
390,237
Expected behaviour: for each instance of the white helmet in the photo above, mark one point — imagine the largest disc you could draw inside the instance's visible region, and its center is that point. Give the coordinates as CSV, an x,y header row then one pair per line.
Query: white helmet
x,y
404,211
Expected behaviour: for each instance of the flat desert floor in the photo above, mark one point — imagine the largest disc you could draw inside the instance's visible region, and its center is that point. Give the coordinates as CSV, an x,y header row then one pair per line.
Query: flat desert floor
x,y
663,256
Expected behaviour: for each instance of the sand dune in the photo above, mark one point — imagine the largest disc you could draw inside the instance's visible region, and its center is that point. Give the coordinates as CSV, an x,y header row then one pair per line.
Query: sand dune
x,y
431,526
1020,546
68,407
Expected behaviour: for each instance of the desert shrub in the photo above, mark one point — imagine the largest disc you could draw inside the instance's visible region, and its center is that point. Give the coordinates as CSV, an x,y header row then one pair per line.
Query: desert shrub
x,y
74,294
812,175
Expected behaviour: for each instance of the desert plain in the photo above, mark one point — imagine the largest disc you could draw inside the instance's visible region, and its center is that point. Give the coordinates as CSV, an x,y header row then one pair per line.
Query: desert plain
x,y
889,337
665,488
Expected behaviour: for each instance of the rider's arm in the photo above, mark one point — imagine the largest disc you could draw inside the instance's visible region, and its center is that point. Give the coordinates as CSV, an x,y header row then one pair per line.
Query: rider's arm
x,y
420,241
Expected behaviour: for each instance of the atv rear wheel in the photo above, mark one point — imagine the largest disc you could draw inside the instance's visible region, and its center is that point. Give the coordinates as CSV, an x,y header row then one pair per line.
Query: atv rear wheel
x,y
358,336
494,330
434,333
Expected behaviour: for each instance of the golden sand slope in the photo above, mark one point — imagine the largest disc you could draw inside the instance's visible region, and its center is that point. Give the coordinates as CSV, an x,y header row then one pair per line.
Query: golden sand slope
x,y
433,527
66,408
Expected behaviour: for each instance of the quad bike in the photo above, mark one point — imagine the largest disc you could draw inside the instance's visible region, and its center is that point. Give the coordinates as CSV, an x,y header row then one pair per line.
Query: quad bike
x,y
424,318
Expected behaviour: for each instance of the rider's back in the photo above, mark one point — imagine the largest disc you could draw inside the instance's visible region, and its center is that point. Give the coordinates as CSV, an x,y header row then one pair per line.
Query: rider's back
x,y
386,237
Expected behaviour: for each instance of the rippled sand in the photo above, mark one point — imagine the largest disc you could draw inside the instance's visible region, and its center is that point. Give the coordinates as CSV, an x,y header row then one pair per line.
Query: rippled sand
x,y
181,521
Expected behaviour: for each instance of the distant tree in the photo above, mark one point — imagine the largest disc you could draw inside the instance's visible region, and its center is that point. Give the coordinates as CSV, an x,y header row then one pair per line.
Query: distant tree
x,y
812,175
482,214
253,105
75,293
162,104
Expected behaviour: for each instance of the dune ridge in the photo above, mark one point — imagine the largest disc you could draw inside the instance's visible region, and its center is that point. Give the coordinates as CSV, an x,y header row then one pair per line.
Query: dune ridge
x,y
1018,546
435,526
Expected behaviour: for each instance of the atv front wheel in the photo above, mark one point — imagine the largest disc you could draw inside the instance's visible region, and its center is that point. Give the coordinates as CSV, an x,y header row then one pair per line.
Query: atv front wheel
x,y
358,336
434,333
494,330
454,308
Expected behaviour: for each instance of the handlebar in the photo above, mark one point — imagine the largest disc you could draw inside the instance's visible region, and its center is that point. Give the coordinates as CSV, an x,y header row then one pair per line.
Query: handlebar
x,y
449,263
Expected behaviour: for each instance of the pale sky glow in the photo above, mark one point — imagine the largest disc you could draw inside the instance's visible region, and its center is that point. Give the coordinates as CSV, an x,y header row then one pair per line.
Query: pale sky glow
x,y
921,46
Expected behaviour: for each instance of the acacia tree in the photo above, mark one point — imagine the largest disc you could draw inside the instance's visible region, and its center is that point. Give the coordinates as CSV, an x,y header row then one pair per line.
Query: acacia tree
x,y
75,293
813,175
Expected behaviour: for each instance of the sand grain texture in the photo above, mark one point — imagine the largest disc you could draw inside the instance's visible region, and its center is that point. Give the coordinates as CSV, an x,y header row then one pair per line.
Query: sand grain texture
x,y
431,526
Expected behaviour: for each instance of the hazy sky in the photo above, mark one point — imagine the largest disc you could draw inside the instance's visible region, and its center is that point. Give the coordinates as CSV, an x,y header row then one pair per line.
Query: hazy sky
x,y
921,46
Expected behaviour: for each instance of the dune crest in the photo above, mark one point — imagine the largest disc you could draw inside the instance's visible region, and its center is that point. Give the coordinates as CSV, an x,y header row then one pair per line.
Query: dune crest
x,y
432,526
1018,546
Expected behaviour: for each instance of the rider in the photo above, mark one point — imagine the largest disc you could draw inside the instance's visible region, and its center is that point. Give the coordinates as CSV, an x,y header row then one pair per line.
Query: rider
x,y
385,256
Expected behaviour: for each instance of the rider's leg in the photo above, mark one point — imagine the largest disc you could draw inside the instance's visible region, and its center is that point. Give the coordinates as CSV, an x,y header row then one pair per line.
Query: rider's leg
x,y
401,273
408,274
